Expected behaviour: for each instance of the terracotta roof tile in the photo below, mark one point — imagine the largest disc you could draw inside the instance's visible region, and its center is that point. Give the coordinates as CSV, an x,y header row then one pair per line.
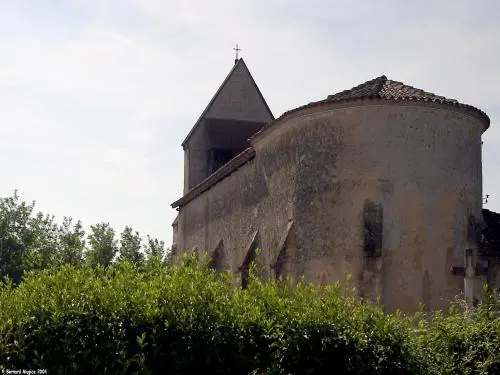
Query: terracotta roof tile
x,y
378,88
383,88
367,89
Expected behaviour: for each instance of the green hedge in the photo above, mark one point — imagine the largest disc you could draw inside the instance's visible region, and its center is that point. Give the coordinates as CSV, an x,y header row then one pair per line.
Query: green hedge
x,y
186,319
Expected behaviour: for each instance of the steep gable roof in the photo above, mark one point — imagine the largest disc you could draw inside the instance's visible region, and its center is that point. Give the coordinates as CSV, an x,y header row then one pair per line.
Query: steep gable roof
x,y
238,98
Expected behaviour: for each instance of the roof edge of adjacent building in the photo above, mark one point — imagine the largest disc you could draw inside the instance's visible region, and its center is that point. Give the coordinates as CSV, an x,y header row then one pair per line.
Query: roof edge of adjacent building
x,y
490,244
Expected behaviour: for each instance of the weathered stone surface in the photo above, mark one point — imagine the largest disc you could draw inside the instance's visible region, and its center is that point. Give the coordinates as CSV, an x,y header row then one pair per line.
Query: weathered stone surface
x,y
382,182
421,163
236,112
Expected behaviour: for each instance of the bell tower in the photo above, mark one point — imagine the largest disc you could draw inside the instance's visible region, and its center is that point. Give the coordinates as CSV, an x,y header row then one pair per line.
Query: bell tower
x,y
235,113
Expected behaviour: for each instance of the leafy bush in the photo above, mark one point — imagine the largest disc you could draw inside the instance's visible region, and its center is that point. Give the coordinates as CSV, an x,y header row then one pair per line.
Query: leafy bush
x,y
186,318
465,341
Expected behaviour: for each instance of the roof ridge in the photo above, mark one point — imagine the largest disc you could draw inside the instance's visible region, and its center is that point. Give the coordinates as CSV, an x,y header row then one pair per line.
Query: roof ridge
x,y
239,62
385,89
368,89
382,81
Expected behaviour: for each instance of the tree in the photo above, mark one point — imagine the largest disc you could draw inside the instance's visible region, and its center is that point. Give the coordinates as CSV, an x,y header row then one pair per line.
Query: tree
x,y
154,248
33,242
27,242
13,221
72,242
11,259
103,246
130,246
41,243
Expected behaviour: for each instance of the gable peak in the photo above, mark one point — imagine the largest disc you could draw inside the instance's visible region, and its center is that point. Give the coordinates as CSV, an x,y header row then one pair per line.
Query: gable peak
x,y
238,77
384,88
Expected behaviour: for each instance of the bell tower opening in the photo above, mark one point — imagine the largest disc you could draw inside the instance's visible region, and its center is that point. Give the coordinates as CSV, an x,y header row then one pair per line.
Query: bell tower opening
x,y
218,157
235,113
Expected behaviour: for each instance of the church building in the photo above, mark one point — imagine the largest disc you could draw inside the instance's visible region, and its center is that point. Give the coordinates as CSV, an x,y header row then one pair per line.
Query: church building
x,y
382,182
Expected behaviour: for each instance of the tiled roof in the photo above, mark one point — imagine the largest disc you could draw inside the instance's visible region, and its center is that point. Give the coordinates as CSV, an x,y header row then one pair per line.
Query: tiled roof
x,y
384,88
224,171
490,243
378,88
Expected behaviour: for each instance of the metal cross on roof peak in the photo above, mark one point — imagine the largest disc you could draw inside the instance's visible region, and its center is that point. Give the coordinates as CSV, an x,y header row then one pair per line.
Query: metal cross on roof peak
x,y
237,50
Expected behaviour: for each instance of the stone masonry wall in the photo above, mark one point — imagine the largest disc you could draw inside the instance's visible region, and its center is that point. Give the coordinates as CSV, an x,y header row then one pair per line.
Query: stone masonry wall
x,y
318,169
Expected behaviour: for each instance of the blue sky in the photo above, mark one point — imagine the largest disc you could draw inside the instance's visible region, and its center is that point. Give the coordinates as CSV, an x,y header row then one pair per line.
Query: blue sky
x,y
96,96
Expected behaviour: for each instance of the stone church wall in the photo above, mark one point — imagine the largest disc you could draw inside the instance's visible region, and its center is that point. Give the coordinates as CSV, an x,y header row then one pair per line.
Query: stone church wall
x,y
232,211
304,196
